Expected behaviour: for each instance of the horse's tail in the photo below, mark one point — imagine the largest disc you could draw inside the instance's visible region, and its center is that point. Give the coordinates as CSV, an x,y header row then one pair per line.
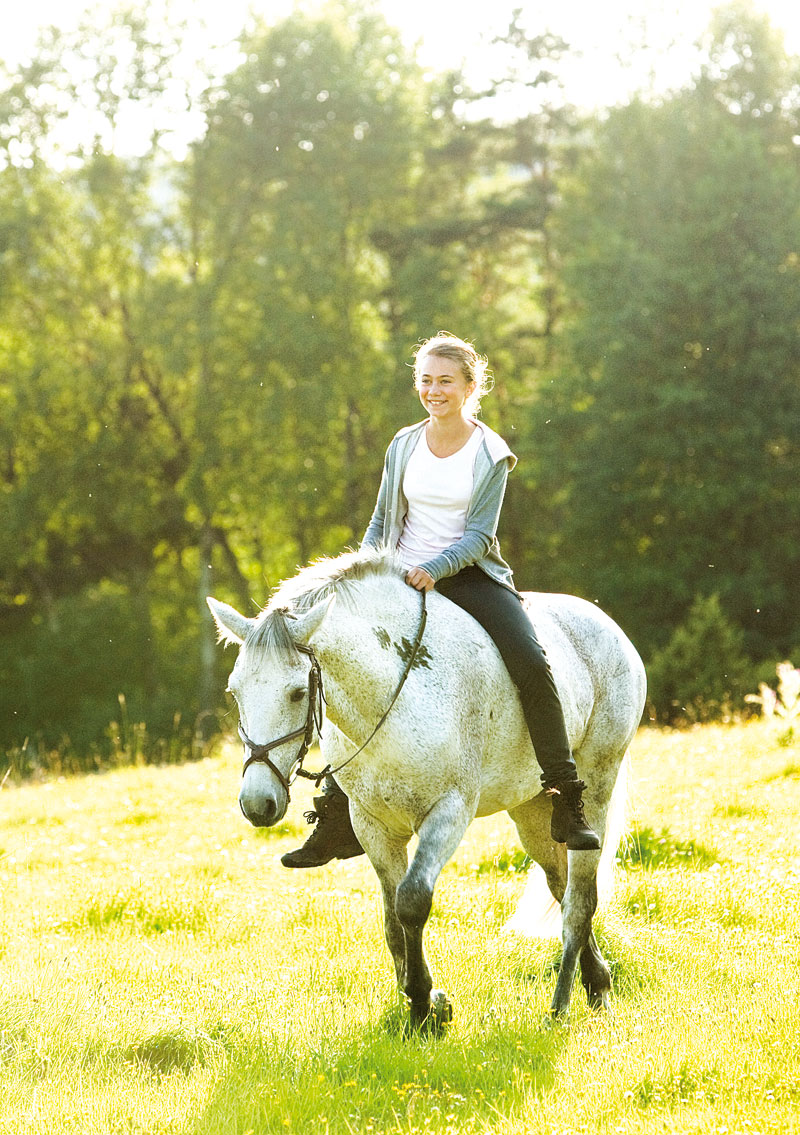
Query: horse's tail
x,y
538,914
616,824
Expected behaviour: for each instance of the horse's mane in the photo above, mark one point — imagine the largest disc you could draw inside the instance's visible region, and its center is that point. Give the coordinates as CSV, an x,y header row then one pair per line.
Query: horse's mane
x,y
322,578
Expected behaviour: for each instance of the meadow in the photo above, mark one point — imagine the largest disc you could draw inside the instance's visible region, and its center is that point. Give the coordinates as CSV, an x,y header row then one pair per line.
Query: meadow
x,y
162,974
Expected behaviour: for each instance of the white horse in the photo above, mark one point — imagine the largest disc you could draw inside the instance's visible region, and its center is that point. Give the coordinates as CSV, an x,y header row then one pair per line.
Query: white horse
x,y
454,745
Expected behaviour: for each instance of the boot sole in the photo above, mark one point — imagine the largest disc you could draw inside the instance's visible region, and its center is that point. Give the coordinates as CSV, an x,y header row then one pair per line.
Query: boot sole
x,y
316,863
286,862
584,845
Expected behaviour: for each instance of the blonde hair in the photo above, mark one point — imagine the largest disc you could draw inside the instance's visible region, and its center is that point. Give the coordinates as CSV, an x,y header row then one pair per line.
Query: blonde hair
x,y
474,367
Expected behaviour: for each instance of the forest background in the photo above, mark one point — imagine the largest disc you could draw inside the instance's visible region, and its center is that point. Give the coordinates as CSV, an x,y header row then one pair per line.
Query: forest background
x,y
204,356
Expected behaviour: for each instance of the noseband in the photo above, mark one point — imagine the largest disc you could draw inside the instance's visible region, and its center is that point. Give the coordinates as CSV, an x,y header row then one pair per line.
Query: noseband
x,y
259,754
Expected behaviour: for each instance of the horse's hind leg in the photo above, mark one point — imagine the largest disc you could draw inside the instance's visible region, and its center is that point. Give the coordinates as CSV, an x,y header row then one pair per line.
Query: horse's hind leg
x,y
595,974
573,884
580,901
533,825
577,910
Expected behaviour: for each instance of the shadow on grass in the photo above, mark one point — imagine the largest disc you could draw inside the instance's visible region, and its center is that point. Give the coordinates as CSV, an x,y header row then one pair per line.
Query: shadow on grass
x,y
673,1088
788,772
632,969
14,1042
736,811
514,862
178,1050
28,821
372,1079
650,902
282,829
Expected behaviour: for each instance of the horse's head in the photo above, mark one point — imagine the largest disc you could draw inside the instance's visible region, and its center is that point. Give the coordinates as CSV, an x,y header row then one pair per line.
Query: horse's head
x,y
271,685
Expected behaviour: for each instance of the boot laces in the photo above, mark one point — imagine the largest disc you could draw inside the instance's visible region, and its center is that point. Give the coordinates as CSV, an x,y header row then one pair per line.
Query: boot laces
x,y
576,807
574,802
570,798
311,816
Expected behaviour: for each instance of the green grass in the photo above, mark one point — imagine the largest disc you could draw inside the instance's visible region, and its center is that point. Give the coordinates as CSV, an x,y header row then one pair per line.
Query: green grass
x,y
163,975
646,848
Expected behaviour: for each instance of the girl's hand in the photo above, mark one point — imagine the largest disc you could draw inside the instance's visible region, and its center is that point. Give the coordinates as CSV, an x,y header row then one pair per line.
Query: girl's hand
x,y
419,578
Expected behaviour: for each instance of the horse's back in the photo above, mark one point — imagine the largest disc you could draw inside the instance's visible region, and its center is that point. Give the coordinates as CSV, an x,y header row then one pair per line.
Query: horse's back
x,y
597,669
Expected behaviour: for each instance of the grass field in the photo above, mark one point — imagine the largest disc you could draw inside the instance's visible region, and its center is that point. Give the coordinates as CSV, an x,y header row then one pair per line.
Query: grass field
x,y
161,973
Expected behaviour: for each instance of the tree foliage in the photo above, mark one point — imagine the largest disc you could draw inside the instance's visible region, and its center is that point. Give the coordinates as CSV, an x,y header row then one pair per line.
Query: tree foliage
x,y
674,430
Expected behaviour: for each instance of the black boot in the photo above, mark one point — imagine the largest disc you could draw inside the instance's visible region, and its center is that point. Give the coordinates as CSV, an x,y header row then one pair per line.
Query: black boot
x,y
568,823
332,838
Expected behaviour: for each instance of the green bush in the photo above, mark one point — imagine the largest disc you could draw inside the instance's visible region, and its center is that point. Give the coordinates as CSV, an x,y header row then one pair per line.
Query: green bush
x,y
702,673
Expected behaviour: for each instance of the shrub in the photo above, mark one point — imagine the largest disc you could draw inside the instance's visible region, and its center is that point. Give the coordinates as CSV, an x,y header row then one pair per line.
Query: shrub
x,y
702,672
101,678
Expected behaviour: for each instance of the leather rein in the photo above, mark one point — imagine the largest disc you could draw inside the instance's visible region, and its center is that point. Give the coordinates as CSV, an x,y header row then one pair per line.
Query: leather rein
x,y
259,754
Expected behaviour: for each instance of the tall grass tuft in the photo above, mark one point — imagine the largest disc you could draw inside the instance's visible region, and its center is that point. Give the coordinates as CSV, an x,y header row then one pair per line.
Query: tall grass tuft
x,y
138,911
648,849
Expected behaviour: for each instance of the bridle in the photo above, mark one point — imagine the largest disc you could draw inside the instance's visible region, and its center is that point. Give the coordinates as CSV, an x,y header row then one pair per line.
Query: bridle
x,y
259,754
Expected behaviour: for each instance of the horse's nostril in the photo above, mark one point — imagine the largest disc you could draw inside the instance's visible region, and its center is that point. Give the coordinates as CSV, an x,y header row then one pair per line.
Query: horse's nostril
x,y
261,814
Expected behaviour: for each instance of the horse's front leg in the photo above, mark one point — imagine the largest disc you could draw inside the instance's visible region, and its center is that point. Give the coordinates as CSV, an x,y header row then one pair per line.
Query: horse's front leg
x,y
439,835
389,858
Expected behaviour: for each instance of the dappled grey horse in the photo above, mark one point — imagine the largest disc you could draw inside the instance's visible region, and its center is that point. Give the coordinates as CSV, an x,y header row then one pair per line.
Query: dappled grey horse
x,y
453,746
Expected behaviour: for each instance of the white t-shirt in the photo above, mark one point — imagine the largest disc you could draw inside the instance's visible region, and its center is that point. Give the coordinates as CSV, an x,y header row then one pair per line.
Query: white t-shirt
x,y
438,491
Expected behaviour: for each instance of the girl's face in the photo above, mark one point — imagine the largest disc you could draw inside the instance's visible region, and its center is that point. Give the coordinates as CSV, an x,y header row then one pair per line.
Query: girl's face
x,y
442,387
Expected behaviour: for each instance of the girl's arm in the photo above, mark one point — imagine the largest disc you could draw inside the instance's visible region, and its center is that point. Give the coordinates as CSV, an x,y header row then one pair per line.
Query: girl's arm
x,y
374,533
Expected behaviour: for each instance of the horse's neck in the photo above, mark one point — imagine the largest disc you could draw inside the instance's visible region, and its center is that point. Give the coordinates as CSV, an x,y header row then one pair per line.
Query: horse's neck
x,y
361,649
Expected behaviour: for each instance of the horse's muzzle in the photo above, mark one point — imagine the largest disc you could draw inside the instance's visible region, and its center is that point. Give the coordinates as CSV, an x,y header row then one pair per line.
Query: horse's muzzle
x,y
262,804
261,815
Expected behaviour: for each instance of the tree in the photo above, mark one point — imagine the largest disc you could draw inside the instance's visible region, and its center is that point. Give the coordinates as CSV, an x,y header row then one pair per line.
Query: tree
x,y
672,453
702,673
213,349
87,482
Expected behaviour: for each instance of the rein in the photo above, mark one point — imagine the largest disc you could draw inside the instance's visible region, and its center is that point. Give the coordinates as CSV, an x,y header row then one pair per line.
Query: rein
x,y
259,754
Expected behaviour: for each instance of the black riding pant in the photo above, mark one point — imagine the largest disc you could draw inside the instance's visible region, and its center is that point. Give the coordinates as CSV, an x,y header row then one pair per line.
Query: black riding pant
x,y
501,614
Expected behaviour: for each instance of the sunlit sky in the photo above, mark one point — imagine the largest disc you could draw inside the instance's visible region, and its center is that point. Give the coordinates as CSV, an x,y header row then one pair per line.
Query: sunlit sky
x,y
607,57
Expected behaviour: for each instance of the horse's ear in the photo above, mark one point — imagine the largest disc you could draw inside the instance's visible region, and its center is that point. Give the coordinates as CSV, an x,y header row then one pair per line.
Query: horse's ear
x,y
302,627
231,626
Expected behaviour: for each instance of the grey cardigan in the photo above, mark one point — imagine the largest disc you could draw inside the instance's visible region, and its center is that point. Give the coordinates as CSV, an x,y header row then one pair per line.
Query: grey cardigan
x,y
479,544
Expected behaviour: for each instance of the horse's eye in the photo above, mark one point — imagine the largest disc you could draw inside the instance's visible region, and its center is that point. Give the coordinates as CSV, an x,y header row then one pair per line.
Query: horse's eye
x,y
298,694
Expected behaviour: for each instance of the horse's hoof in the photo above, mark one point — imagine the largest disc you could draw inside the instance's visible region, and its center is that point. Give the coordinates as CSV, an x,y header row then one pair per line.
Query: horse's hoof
x,y
441,1013
599,1001
432,1018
